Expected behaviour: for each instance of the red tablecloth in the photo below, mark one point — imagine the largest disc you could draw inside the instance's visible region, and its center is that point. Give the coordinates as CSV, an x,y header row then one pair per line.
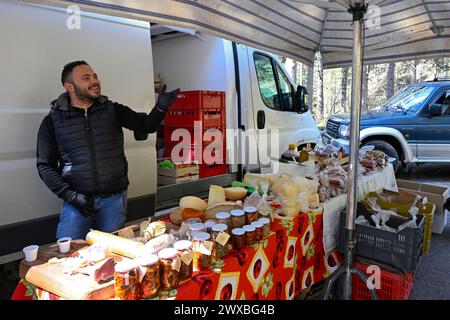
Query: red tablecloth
x,y
289,260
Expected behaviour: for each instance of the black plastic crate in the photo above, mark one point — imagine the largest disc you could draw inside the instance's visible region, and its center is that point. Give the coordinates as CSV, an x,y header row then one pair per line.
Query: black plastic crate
x,y
402,250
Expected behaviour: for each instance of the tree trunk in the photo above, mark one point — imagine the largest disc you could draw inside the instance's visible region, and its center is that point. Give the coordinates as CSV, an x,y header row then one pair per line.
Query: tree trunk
x,y
365,88
344,89
390,80
310,86
413,71
321,102
294,72
305,69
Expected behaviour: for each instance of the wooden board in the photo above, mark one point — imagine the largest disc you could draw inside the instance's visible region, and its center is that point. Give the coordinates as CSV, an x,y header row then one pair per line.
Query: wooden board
x,y
163,180
179,172
50,277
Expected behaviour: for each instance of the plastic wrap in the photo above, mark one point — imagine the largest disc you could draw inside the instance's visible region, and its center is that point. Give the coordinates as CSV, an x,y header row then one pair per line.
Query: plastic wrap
x,y
160,242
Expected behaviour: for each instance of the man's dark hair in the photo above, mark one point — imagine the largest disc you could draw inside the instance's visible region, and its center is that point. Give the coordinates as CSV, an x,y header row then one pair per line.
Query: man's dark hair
x,y
68,68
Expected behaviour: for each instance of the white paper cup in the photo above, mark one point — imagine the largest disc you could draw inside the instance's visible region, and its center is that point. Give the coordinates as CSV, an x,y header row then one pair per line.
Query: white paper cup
x,y
31,253
64,244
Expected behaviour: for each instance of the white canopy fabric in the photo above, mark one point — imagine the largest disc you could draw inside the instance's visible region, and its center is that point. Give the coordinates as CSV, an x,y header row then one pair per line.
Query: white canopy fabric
x,y
404,30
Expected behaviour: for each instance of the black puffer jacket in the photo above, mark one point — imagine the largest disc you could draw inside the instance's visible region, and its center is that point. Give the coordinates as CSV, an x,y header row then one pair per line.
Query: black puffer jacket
x,y
83,151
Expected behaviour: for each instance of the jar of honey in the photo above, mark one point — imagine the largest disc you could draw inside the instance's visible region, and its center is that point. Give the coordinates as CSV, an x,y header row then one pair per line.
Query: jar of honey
x,y
151,280
266,226
203,248
194,228
237,218
223,217
250,234
170,268
208,225
184,248
220,236
259,230
238,235
126,282
251,214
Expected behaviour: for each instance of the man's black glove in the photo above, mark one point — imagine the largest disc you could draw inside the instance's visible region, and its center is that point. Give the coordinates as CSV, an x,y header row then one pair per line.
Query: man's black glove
x,y
84,204
165,100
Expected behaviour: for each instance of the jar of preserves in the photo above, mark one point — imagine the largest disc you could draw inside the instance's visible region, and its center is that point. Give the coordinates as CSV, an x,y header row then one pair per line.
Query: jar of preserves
x,y
251,214
238,235
223,217
266,226
126,282
196,227
259,230
208,225
170,268
237,218
220,236
184,248
151,278
202,250
250,234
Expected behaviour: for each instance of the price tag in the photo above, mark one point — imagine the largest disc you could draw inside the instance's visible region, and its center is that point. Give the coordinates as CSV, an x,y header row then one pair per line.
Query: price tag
x,y
177,264
206,248
222,238
187,257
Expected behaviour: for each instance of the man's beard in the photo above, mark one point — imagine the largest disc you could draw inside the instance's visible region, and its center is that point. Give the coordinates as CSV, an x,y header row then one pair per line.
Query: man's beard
x,y
84,95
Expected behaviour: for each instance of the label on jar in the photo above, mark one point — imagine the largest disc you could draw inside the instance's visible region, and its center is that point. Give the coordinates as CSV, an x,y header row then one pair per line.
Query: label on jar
x,y
222,238
177,264
206,247
187,257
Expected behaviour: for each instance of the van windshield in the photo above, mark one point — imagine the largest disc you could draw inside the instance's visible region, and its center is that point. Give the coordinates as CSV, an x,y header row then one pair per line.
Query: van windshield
x,y
409,98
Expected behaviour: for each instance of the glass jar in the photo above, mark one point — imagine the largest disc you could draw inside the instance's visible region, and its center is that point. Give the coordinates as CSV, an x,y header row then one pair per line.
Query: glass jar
x,y
194,228
126,282
224,217
220,250
184,248
170,267
251,214
151,280
208,225
266,226
250,234
259,230
237,218
202,250
238,235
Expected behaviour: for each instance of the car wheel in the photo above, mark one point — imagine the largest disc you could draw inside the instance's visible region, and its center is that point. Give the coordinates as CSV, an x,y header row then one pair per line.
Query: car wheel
x,y
388,149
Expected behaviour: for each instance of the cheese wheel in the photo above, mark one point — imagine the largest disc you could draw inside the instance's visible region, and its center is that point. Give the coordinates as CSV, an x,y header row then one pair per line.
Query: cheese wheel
x,y
216,195
235,193
191,202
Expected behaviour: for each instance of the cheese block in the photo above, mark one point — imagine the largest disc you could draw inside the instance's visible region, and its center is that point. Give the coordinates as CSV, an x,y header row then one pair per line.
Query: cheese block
x,y
193,203
216,195
235,193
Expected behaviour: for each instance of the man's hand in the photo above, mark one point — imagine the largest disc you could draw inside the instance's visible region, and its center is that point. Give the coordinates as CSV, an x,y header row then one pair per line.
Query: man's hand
x,y
165,100
84,204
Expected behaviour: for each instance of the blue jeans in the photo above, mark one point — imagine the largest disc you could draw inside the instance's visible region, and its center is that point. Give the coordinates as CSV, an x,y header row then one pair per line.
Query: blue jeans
x,y
110,217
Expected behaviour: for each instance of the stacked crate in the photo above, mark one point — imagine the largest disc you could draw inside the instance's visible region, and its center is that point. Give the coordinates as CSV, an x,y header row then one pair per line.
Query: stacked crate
x,y
207,108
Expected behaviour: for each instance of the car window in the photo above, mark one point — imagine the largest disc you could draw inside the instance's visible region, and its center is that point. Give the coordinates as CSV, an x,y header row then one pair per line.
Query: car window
x,y
286,90
266,81
443,99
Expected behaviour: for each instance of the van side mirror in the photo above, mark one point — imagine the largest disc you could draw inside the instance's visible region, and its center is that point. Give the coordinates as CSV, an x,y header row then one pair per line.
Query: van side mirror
x,y
435,110
301,100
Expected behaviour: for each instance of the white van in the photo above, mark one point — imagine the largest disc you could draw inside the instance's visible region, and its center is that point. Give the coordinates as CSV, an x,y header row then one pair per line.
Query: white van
x,y
36,43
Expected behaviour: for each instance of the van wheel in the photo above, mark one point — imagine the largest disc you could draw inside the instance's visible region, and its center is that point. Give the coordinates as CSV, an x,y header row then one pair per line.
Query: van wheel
x,y
387,148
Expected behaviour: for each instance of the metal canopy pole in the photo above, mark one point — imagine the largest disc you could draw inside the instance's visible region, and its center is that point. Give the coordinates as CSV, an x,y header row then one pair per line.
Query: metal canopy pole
x,y
347,270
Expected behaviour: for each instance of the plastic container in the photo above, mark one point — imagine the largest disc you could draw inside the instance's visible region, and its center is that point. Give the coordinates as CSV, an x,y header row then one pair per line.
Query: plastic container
x,y
203,248
220,250
237,218
266,226
64,244
250,235
31,253
126,282
238,236
184,248
151,281
170,267
394,286
251,214
402,249
199,99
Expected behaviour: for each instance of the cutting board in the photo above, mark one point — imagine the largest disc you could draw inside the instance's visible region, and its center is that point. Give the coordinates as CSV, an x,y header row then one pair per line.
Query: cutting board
x,y
50,277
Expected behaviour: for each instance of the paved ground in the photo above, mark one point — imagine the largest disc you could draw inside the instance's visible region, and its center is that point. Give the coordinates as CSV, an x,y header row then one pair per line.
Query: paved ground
x,y
433,273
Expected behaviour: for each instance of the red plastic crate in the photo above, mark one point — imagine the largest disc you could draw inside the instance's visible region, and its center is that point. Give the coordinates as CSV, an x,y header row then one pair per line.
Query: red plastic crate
x,y
199,99
195,140
394,286
187,117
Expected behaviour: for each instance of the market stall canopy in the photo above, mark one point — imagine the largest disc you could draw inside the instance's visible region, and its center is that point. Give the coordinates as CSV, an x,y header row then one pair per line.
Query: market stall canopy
x,y
395,29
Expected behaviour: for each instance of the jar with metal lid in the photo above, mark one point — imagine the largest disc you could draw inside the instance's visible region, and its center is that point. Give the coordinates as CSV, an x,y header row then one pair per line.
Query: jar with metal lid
x,y
196,227
266,226
237,218
184,248
220,236
126,282
202,250
250,234
259,230
224,217
170,267
251,214
238,235
151,278
208,225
